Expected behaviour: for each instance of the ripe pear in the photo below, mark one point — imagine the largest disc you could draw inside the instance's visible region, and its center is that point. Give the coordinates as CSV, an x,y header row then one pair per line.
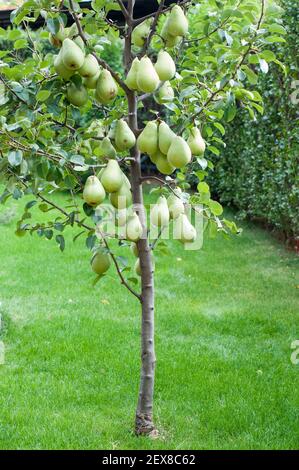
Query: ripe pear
x,y
124,137
60,69
147,141
183,229
100,262
112,177
163,164
78,96
175,204
147,77
94,193
165,93
121,217
177,23
134,249
79,41
90,67
91,82
71,54
179,153
140,33
166,136
107,148
196,142
169,40
165,66
159,214
131,80
134,228
126,180
106,89
122,198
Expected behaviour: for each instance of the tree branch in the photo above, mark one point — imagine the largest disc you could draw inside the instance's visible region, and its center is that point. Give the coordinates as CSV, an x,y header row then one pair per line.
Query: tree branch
x,y
123,9
140,20
153,28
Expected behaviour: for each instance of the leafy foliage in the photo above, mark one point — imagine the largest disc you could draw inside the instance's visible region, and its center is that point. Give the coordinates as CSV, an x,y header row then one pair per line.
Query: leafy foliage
x,y
258,171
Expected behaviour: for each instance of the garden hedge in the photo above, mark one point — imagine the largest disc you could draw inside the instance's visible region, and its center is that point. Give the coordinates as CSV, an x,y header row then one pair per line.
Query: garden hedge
x,y
258,171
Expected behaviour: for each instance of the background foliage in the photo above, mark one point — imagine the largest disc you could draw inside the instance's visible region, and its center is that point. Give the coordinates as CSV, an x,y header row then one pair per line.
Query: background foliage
x,y
258,170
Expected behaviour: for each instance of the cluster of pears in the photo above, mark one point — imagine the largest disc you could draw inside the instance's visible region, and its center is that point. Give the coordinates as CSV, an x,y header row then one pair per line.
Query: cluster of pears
x,y
167,150
174,28
173,209
146,77
72,60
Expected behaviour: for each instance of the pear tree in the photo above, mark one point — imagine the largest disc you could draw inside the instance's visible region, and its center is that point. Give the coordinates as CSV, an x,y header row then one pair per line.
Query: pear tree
x,y
73,123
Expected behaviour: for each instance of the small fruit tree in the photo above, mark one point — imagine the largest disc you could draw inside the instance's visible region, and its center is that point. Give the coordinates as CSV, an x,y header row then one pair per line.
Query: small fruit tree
x,y
71,122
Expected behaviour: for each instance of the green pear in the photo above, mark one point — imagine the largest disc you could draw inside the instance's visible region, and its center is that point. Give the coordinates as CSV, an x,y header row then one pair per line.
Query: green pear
x,y
60,69
78,96
94,193
196,143
121,217
79,41
134,228
122,198
71,54
169,40
166,136
165,66
183,229
140,33
100,262
134,249
163,164
179,153
147,77
72,31
112,177
165,93
91,82
131,80
159,215
124,138
126,180
90,67
147,141
106,89
107,148
177,23
175,204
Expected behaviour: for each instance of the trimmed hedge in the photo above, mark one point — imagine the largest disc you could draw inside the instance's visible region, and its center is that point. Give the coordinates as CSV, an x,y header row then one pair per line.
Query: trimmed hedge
x,y
258,170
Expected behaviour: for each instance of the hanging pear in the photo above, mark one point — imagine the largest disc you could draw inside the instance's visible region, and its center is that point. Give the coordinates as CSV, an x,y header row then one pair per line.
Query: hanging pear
x,y
90,67
94,193
179,153
60,68
140,33
100,262
175,204
79,41
107,148
177,23
165,66
196,143
91,82
122,198
163,164
147,77
169,40
106,89
165,93
147,141
78,96
134,228
131,80
134,249
124,138
112,177
166,136
121,217
159,215
71,54
183,229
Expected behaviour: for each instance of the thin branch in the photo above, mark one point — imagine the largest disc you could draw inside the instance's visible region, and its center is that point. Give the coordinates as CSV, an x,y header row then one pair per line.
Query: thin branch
x,y
123,9
153,28
140,20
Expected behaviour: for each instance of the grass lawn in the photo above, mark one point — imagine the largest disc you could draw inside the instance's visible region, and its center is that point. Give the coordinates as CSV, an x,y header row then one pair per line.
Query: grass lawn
x,y
226,317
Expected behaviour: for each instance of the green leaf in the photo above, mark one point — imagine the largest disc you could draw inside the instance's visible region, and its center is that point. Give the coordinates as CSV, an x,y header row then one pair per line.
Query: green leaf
x,y
43,95
203,188
15,157
61,242
215,207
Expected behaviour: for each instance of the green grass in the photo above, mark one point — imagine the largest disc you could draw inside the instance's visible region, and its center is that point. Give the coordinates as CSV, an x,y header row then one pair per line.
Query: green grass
x,y
226,316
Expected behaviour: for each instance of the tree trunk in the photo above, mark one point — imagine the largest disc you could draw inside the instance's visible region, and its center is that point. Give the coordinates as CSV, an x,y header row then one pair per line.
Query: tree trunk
x,y
144,414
